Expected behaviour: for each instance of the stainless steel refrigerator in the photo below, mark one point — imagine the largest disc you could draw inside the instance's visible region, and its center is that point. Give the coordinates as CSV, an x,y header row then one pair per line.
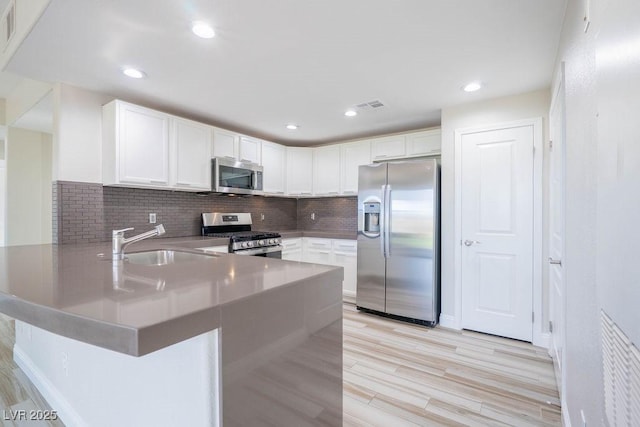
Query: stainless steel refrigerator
x,y
398,239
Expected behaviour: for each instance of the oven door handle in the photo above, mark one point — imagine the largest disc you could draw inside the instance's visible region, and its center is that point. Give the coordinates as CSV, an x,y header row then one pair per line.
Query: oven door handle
x,y
259,251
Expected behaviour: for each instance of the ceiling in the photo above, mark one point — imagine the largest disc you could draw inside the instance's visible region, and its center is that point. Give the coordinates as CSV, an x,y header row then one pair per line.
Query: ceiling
x,y
304,62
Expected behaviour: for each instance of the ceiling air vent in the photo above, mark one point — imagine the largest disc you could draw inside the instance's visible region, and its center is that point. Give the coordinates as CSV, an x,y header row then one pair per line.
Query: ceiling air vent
x,y
371,105
9,22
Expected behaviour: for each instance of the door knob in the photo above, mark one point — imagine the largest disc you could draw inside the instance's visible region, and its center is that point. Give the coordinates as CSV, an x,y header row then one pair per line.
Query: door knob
x,y
471,242
555,261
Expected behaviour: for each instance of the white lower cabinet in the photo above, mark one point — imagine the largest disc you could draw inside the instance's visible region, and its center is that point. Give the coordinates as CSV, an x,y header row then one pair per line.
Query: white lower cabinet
x,y
317,251
337,252
345,254
292,249
220,249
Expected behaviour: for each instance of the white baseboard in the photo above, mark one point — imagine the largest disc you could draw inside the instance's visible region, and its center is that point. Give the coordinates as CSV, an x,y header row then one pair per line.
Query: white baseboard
x,y
349,296
50,393
448,321
542,340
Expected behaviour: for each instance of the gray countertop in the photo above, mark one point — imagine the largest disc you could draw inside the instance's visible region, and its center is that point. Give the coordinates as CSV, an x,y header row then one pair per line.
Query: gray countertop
x,y
135,309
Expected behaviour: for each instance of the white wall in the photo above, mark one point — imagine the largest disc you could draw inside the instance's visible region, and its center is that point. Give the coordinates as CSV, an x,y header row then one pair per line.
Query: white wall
x,y
23,97
476,114
77,141
28,214
602,74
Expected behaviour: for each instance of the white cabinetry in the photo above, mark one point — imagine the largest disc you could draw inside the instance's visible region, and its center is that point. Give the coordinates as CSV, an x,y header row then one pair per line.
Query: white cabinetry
x,y
299,171
273,163
145,148
292,249
345,254
225,144
318,251
390,147
235,146
135,146
190,154
326,170
338,252
353,155
424,143
249,150
213,249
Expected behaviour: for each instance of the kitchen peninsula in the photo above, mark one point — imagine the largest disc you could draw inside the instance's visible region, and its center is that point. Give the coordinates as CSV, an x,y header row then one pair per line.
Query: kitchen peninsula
x,y
196,340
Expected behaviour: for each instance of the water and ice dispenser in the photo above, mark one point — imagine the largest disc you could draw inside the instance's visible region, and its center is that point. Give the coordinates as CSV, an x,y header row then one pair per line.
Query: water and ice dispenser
x,y
372,217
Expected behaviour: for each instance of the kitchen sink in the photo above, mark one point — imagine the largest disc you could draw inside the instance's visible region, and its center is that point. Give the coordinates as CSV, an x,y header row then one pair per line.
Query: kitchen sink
x,y
165,257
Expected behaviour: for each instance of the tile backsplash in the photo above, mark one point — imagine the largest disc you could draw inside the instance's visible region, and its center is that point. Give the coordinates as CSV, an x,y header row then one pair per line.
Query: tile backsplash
x,y
330,213
87,212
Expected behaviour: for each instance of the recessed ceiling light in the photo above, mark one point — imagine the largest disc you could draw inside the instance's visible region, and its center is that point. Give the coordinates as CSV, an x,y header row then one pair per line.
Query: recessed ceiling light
x,y
351,113
202,29
291,126
133,73
472,87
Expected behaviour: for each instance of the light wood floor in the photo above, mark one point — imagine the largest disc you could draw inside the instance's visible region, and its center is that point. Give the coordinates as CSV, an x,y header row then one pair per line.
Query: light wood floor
x,y
400,374
397,374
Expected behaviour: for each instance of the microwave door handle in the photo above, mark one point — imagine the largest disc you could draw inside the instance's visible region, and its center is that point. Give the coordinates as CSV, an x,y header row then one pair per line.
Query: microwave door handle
x,y
254,180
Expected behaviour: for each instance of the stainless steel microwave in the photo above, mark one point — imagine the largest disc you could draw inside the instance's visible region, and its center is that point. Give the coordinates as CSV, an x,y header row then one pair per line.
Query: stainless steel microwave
x,y
231,176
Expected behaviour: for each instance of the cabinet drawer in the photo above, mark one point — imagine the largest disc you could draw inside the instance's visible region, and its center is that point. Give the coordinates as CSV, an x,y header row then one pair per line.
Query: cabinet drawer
x,y
316,243
345,246
219,249
291,244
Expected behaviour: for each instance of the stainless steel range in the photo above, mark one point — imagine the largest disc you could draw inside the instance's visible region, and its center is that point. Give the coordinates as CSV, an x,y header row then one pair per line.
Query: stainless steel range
x,y
242,241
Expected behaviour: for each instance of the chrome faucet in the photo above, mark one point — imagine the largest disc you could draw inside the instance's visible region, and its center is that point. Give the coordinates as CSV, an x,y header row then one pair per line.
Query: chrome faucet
x,y
119,242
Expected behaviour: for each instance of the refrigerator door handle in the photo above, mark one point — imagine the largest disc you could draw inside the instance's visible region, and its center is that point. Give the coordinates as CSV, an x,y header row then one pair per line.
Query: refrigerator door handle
x,y
383,222
387,221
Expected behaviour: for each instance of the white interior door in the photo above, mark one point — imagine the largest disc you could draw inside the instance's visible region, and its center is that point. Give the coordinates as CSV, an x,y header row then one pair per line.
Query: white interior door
x,y
497,231
556,233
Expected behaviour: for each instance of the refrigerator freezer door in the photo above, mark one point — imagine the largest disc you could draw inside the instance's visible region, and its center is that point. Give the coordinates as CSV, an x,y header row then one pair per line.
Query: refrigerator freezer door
x,y
370,291
411,282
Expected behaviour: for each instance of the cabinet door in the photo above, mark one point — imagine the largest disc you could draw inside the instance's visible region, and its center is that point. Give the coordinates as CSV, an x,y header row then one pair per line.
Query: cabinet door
x,y
249,150
388,148
345,254
299,171
273,162
143,146
317,251
292,249
326,171
191,154
424,143
353,156
225,144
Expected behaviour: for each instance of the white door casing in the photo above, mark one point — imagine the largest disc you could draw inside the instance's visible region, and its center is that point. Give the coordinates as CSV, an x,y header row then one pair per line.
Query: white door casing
x,y
557,300
496,229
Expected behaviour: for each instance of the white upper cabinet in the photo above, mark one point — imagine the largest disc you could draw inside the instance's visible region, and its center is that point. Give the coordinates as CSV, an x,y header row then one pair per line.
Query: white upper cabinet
x,y
150,149
389,147
326,170
299,171
250,149
353,155
235,146
225,144
424,143
191,155
135,146
273,162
